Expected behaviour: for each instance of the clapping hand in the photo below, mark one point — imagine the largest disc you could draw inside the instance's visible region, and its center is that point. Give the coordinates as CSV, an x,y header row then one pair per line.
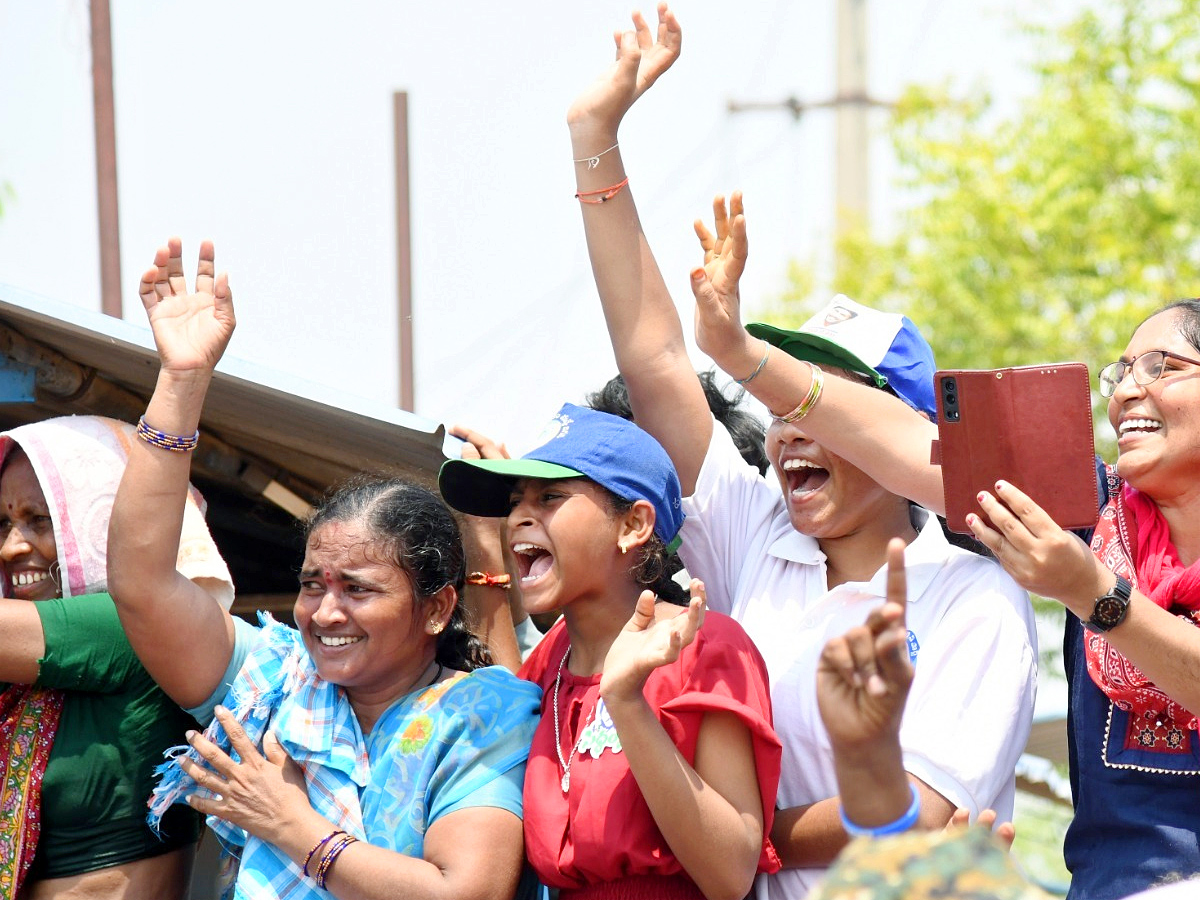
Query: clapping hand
x,y
192,330
647,642
260,793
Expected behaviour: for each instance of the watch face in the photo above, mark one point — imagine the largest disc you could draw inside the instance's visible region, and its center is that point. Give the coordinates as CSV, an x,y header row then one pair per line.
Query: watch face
x,y
1108,610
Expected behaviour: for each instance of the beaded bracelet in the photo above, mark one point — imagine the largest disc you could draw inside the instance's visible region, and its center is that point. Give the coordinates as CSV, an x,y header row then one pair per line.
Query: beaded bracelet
x,y
905,822
816,383
321,843
175,442
335,850
487,579
761,364
602,194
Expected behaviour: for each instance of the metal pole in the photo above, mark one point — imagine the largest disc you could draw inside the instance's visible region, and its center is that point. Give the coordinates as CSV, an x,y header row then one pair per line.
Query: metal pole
x,y
106,159
403,249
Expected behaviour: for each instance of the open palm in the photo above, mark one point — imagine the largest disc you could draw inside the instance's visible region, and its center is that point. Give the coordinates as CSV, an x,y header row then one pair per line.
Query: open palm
x,y
192,330
641,58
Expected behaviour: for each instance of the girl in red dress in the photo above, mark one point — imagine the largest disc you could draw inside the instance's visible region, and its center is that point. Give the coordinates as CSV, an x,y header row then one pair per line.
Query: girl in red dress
x,y
654,769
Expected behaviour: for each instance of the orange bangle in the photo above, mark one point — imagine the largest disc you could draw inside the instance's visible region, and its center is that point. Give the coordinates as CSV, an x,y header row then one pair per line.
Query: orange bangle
x,y
602,194
487,579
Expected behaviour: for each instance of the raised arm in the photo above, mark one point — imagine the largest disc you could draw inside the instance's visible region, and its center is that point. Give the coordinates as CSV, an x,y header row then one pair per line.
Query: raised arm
x,y
181,635
643,323
871,429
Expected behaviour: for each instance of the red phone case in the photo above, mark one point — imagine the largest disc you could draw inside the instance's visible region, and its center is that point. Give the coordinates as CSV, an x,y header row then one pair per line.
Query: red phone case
x,y
1030,426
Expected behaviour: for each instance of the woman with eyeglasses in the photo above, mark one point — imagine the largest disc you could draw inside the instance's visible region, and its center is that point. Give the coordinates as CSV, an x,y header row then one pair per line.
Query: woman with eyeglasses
x,y
1132,583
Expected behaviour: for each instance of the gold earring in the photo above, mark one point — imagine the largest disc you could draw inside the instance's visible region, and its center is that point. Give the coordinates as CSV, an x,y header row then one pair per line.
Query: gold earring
x,y
435,627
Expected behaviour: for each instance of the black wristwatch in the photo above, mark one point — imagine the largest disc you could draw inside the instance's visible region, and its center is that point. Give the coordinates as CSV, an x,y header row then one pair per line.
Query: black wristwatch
x,y
1110,610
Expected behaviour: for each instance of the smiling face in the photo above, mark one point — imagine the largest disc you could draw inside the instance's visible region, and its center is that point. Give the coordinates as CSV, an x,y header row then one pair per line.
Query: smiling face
x,y
359,617
1158,424
827,497
27,532
564,537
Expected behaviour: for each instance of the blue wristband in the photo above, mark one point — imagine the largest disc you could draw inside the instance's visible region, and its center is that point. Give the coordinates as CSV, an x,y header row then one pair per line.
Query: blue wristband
x,y
905,822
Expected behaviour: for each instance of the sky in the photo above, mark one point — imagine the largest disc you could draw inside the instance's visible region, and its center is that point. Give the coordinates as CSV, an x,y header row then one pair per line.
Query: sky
x,y
267,127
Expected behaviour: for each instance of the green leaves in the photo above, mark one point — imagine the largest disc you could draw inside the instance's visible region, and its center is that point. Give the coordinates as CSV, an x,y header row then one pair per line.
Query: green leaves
x,y
1048,234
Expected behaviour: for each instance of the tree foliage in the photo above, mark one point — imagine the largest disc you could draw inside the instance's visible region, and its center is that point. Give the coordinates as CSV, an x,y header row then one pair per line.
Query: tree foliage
x,y
1048,234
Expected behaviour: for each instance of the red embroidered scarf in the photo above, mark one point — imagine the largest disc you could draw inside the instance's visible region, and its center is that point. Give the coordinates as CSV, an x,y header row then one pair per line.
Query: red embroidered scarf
x,y
1132,539
28,722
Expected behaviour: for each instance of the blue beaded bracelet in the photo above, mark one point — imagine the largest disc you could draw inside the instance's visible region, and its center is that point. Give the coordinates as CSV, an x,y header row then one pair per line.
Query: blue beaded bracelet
x,y
175,442
905,822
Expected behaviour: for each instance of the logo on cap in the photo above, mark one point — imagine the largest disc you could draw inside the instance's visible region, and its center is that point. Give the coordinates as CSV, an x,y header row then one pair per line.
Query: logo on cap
x,y
558,427
839,314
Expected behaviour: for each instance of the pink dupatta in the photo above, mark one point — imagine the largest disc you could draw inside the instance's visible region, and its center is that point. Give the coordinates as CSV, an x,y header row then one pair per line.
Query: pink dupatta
x,y
1132,539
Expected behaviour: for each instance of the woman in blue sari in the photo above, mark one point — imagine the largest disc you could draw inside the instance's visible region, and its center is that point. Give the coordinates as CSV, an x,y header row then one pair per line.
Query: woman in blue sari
x,y
370,750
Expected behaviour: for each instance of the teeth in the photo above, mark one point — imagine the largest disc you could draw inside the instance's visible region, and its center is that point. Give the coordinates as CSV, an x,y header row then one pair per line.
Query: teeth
x,y
337,641
527,549
24,578
1139,424
790,465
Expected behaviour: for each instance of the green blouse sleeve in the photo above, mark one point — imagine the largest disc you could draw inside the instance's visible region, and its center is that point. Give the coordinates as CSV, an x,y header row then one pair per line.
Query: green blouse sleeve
x,y
86,648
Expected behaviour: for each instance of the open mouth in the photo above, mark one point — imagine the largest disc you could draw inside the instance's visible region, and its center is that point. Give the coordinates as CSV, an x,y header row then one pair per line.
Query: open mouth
x,y
803,477
532,561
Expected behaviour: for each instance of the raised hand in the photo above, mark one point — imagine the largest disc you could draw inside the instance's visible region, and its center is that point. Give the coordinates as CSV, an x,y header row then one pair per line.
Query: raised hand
x,y
863,676
192,330
648,641
641,59
1035,551
261,794
719,329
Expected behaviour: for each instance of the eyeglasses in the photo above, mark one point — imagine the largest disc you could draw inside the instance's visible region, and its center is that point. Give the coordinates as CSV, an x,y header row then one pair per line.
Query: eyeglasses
x,y
1147,369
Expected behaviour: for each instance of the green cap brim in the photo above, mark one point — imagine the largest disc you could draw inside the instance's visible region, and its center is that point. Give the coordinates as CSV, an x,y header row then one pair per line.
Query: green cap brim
x,y
482,487
814,349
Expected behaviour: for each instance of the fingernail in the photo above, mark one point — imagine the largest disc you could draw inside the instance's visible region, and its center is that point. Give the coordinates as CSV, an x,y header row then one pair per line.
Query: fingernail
x,y
698,273
1001,485
972,519
189,734
979,497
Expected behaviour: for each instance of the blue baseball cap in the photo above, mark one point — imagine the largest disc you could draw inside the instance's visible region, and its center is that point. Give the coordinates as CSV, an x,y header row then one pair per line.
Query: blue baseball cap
x,y
577,443
885,347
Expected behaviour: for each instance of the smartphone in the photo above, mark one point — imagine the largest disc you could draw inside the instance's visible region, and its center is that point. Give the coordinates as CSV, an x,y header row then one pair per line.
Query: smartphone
x,y
1028,425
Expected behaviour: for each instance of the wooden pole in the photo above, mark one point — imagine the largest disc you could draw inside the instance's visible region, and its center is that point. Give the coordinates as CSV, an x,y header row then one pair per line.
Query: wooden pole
x,y
106,159
403,250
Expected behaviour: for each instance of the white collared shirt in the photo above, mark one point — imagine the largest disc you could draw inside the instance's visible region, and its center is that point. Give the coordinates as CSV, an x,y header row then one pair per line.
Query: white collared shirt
x,y
971,632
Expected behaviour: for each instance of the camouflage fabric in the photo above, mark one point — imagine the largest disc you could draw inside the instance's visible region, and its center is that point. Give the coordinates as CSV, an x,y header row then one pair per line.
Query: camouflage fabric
x,y
926,865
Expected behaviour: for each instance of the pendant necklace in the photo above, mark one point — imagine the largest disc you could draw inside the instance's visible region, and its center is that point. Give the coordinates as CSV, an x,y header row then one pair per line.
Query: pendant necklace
x,y
566,763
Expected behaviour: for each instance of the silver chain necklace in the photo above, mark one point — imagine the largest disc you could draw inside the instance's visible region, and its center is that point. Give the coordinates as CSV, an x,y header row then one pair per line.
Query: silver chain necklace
x,y
566,763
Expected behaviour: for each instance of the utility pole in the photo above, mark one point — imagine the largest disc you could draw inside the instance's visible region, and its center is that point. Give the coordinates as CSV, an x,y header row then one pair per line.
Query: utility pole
x,y
106,158
850,103
853,191
403,248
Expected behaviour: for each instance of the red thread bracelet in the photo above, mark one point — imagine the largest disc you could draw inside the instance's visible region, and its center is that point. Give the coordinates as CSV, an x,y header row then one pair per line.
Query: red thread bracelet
x,y
602,194
487,579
